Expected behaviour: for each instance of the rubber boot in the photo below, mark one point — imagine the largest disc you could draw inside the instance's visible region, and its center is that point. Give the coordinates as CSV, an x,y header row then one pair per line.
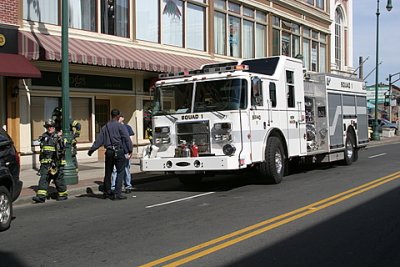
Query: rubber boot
x,y
39,199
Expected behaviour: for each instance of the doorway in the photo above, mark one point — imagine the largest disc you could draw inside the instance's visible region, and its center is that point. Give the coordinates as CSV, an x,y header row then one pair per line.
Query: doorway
x,y
102,116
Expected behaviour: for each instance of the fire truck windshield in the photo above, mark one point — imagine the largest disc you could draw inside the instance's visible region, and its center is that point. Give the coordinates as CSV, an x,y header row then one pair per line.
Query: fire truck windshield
x,y
216,95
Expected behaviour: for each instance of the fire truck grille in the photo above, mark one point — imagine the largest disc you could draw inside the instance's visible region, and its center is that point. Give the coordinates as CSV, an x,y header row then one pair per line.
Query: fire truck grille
x,y
197,132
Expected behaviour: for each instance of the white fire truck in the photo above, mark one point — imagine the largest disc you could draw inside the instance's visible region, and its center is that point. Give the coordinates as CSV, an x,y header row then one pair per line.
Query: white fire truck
x,y
261,113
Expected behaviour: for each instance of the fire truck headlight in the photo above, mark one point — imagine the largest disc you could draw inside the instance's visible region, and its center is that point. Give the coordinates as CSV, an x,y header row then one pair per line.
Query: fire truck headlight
x,y
229,149
222,137
225,126
222,132
162,140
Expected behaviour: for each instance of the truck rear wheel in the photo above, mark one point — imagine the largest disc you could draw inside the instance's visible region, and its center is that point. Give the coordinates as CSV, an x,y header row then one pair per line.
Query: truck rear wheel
x,y
350,151
273,169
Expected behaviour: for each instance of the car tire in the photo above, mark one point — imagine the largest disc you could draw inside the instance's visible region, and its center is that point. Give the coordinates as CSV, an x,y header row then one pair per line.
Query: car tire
x,y
5,208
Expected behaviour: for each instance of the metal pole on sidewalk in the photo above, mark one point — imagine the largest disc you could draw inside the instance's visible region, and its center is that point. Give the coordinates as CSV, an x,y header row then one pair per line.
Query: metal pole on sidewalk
x,y
70,175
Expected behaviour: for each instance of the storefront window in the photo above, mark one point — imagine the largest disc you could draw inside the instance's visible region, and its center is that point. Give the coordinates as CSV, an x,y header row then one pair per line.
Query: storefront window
x,y
42,109
147,20
43,11
115,17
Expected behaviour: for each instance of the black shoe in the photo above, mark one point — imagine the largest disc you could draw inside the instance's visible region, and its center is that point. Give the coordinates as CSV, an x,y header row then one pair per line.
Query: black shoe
x,y
128,190
108,195
38,199
61,198
119,197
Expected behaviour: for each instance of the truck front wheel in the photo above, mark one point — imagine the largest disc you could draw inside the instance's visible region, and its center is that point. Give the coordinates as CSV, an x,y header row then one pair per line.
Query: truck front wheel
x,y
273,169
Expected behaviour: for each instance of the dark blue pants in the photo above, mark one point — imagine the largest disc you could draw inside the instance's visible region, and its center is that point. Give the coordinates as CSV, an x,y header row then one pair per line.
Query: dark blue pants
x,y
117,160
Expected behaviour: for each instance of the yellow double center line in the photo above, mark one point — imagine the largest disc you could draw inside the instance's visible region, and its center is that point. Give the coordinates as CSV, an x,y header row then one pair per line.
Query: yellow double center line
x,y
214,245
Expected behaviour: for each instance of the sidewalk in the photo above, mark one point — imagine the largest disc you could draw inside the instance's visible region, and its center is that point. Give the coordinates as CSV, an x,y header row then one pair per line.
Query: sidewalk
x,y
91,175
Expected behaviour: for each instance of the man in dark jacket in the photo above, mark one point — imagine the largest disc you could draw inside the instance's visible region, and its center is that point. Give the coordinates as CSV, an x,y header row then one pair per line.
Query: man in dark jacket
x,y
115,139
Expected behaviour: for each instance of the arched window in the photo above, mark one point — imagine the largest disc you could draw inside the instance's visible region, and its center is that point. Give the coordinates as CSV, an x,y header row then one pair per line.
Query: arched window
x,y
339,38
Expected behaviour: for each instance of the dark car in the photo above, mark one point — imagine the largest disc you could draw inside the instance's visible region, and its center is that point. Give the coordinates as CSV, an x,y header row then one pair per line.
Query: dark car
x,y
382,123
10,185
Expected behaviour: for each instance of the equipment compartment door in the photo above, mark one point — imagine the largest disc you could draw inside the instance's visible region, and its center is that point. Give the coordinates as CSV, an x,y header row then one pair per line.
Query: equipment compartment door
x,y
335,120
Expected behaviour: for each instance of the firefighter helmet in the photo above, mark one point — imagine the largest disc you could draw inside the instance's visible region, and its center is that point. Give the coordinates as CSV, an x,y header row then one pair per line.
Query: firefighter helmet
x,y
49,123
57,112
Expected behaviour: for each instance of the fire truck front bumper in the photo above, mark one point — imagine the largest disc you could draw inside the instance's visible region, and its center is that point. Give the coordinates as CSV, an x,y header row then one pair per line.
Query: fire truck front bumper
x,y
219,163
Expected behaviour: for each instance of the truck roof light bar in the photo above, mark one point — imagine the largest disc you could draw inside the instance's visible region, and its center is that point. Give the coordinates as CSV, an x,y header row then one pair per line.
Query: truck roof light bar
x,y
205,70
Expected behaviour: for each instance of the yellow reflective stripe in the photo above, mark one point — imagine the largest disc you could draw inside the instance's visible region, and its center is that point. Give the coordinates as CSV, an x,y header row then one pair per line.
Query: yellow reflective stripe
x,y
62,162
46,160
61,194
48,148
41,192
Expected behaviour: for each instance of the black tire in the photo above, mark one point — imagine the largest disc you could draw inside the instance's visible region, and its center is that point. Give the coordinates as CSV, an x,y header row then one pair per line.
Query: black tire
x,y
273,169
6,209
190,180
350,150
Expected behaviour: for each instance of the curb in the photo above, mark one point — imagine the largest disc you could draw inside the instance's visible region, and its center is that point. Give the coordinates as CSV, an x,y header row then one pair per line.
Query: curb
x,y
93,189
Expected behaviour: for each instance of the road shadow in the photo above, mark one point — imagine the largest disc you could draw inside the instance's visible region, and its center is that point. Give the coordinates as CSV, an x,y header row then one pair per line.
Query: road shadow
x,y
9,259
367,235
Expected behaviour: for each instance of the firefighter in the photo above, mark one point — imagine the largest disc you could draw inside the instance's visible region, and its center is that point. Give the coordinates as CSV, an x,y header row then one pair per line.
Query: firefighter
x,y
52,152
75,128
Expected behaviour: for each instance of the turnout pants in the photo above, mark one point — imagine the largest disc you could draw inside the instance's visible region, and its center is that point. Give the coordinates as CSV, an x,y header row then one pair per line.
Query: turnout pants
x,y
46,177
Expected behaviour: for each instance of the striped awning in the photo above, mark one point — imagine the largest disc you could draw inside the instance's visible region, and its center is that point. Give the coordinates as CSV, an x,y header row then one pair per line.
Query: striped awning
x,y
37,46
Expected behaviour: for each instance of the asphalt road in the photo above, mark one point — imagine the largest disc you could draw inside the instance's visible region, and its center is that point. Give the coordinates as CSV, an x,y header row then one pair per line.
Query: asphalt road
x,y
327,215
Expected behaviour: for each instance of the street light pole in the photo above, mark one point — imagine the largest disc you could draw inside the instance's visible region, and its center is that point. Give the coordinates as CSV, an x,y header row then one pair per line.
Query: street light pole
x,y
375,134
70,175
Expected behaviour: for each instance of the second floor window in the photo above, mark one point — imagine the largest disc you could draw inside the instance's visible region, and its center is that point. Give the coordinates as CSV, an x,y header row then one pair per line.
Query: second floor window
x,y
114,17
239,31
82,14
179,23
338,38
43,11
